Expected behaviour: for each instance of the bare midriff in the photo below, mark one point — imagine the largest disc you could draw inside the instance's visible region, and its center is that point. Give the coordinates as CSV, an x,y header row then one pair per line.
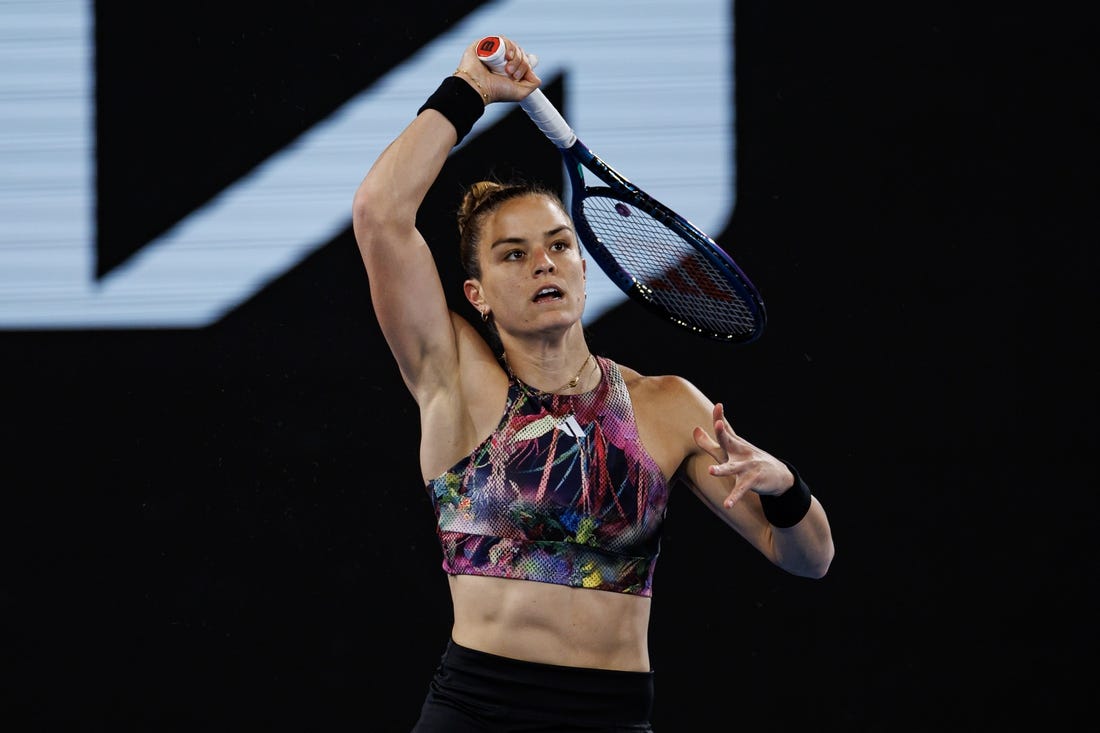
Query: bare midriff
x,y
551,624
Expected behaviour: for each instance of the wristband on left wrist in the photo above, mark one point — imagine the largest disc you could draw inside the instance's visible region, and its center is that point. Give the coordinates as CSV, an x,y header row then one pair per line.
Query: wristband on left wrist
x,y
787,509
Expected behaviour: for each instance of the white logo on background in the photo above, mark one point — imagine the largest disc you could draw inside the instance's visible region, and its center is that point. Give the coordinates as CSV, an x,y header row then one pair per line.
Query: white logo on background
x,y
668,130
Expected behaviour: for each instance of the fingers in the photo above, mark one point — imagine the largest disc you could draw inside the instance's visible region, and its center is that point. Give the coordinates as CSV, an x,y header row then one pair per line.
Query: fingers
x,y
719,449
722,465
731,454
520,64
707,443
512,84
735,496
727,436
720,424
720,421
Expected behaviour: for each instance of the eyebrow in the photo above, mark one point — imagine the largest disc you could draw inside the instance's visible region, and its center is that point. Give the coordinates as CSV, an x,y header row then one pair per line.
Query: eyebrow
x,y
520,240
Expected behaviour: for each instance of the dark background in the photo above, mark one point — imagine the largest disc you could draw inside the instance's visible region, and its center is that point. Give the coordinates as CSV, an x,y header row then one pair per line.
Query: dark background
x,y
215,528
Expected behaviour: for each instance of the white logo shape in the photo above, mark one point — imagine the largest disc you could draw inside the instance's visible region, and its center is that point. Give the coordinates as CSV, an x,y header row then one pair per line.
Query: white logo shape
x,y
669,131
570,426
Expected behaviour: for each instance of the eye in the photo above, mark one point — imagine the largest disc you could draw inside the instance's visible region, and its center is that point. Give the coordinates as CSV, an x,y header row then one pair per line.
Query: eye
x,y
560,246
513,254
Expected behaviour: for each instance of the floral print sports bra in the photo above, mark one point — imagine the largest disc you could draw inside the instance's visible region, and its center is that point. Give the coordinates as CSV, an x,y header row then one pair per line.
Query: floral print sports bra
x,y
562,492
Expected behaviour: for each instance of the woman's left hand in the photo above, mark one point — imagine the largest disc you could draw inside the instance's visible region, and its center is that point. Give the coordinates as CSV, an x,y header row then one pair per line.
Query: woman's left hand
x,y
748,467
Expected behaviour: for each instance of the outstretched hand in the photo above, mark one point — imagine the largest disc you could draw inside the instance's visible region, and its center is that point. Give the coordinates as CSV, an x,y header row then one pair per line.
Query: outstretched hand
x,y
747,467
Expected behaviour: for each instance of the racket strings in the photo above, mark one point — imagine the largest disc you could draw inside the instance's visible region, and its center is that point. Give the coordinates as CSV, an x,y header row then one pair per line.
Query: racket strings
x,y
669,271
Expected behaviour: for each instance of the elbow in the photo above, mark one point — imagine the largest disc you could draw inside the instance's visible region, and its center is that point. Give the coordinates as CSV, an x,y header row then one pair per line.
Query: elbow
x,y
812,563
365,209
375,216
818,568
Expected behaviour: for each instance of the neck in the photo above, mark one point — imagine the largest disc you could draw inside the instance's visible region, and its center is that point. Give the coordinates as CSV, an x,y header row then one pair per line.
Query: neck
x,y
548,362
570,377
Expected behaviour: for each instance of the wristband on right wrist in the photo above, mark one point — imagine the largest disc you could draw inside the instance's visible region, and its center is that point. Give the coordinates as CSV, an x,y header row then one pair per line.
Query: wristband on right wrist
x,y
459,102
787,509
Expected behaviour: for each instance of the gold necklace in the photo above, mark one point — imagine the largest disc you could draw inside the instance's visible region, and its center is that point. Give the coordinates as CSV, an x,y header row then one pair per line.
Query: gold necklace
x,y
577,377
568,385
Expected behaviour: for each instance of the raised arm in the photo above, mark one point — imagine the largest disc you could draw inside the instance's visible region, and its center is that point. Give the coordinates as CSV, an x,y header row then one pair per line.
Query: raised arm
x,y
405,288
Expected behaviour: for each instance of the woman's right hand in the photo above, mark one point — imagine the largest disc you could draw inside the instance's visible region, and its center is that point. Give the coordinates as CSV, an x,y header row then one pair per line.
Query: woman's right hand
x,y
520,80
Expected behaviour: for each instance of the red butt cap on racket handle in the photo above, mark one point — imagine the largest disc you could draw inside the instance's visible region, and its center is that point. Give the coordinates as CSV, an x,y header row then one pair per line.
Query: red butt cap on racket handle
x,y
491,50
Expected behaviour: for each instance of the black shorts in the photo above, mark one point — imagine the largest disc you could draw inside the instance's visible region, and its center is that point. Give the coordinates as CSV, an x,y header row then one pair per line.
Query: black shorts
x,y
476,692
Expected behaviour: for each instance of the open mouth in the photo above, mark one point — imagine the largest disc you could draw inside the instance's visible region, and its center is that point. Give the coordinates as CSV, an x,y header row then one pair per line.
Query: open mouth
x,y
547,294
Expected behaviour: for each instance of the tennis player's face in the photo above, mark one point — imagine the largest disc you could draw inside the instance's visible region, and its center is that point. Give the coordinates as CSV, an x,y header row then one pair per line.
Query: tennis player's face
x,y
532,272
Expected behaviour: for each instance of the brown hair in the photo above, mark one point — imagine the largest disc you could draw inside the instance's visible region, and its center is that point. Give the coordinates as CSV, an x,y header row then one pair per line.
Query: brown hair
x,y
482,199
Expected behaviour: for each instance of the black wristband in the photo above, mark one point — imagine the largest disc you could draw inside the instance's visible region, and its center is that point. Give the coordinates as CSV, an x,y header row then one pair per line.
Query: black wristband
x,y
787,509
459,102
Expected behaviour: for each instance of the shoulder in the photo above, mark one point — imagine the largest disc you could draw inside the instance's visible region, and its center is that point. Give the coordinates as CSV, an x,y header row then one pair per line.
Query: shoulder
x,y
667,408
663,392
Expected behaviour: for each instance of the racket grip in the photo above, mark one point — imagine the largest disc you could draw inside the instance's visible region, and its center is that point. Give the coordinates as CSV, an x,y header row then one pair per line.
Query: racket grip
x,y
491,50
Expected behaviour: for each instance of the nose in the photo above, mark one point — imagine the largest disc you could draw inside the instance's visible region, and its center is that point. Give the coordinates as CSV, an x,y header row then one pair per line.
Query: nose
x,y
543,264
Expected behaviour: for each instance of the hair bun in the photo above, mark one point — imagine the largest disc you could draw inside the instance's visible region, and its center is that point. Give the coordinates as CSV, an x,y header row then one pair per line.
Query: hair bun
x,y
475,196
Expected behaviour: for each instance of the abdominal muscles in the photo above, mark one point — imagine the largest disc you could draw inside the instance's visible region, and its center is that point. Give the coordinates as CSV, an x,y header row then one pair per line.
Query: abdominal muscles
x,y
551,624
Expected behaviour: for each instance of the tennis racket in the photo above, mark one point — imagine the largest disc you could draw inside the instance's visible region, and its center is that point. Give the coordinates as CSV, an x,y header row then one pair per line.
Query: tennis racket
x,y
653,254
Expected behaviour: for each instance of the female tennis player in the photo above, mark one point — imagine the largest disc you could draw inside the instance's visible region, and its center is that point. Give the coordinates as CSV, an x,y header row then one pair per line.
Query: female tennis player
x,y
549,467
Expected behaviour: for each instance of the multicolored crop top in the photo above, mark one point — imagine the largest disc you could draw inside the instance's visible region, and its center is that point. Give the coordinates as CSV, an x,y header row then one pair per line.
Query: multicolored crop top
x,y
562,492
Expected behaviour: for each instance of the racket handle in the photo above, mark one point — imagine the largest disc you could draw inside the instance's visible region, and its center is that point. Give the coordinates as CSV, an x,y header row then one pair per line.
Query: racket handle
x,y
491,50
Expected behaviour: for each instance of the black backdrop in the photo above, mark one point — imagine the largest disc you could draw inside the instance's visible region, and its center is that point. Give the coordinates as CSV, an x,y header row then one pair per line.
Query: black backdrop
x,y
224,527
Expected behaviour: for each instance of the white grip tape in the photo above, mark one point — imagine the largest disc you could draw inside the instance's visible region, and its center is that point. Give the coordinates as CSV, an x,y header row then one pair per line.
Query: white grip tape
x,y
545,116
548,119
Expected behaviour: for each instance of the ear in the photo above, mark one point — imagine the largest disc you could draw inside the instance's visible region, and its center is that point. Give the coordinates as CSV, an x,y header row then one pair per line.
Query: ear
x,y
472,289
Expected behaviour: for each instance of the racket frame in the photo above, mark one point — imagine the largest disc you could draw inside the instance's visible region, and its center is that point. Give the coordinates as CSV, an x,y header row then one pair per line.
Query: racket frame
x,y
577,158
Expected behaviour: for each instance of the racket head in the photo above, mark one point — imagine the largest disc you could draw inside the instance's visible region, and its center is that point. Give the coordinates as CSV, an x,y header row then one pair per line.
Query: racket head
x,y
659,258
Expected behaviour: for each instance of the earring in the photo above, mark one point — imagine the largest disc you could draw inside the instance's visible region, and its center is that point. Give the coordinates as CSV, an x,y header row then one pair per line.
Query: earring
x,y
485,316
